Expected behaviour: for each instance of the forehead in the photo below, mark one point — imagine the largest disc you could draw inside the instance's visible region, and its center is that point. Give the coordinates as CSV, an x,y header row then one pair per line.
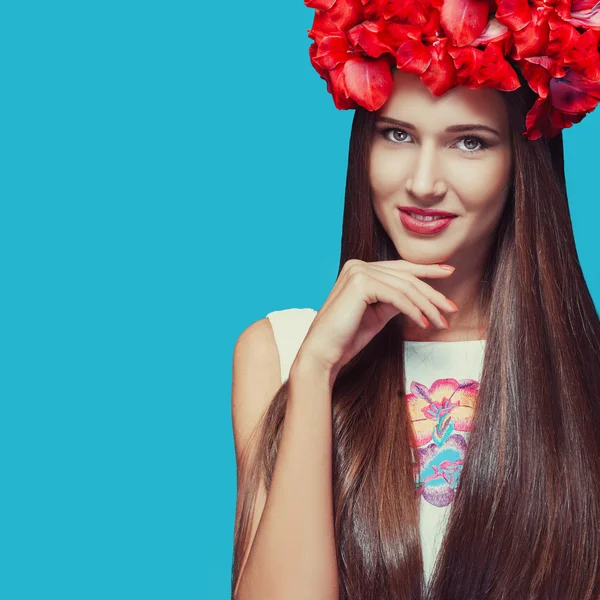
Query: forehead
x,y
412,101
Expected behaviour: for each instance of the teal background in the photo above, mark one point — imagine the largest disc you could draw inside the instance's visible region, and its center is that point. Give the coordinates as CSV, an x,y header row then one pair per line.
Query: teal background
x,y
170,173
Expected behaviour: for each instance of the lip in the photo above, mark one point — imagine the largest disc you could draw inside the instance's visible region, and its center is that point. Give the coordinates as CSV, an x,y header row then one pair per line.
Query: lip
x,y
427,212
424,227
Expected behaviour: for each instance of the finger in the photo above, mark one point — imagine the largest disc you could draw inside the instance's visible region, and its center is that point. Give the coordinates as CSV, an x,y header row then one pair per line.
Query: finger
x,y
406,288
373,289
390,301
432,294
417,269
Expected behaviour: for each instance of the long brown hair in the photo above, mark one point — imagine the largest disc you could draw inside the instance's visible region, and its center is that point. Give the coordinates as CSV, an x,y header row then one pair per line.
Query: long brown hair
x,y
525,520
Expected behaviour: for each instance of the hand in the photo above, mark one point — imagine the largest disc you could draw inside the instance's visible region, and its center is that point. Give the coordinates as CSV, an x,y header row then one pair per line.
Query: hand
x,y
364,298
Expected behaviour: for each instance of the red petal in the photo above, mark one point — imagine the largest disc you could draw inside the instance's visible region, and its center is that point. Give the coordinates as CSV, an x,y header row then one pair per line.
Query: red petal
x,y
537,121
493,32
368,81
332,51
586,19
537,77
372,38
412,13
320,4
464,20
413,57
433,27
578,5
336,86
400,33
585,14
562,120
515,14
322,27
532,39
347,13
585,49
496,71
544,119
562,36
555,68
466,62
574,94
586,56
312,51
441,76
373,8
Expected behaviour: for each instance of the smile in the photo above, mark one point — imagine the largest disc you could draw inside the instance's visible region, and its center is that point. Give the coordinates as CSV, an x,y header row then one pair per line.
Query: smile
x,y
423,218
424,224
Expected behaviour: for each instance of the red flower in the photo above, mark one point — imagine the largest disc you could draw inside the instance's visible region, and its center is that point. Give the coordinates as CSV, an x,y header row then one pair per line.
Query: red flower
x,y
343,13
375,38
515,14
476,68
585,54
413,12
563,37
424,52
580,13
352,78
562,100
531,39
356,43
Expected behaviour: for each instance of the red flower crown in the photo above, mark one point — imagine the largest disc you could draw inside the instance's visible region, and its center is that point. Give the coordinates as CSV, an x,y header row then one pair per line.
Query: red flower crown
x,y
555,44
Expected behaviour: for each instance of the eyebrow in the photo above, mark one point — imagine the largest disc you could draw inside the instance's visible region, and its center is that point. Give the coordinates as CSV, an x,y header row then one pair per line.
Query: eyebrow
x,y
452,128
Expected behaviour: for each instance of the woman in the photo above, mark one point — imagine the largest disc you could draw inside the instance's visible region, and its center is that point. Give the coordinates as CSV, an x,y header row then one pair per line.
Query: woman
x,y
429,432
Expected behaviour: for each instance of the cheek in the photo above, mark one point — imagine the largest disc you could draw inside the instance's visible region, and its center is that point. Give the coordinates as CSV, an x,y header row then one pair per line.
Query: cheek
x,y
484,189
387,174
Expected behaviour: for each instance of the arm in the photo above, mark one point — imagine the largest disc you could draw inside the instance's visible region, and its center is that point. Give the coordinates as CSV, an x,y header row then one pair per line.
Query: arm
x,y
292,554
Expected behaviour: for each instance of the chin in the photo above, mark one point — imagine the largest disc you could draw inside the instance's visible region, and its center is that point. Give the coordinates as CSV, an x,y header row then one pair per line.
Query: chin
x,y
424,259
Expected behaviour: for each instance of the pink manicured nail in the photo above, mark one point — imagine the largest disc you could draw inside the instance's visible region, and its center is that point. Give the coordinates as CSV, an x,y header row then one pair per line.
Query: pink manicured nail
x,y
447,267
426,322
452,304
445,321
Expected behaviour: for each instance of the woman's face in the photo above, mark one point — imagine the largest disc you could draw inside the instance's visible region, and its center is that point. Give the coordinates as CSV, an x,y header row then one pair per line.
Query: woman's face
x,y
417,163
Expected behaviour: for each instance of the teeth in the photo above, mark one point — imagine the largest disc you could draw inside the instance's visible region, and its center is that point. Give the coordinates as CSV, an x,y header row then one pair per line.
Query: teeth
x,y
422,218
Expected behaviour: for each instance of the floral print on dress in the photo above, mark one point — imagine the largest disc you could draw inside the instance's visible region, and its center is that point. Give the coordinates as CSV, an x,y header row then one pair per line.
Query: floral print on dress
x,y
439,414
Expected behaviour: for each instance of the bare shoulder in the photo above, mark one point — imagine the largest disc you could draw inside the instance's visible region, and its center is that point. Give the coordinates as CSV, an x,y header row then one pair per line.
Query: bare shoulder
x,y
256,377
255,380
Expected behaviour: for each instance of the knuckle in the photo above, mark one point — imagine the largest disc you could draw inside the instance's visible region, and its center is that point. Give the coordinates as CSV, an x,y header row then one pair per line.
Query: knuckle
x,y
408,287
408,276
358,279
406,284
350,263
356,267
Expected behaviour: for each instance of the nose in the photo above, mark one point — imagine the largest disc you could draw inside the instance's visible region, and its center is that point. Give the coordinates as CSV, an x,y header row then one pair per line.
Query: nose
x,y
425,182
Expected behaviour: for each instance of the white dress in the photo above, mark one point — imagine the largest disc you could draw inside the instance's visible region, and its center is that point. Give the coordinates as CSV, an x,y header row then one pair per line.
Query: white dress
x,y
442,381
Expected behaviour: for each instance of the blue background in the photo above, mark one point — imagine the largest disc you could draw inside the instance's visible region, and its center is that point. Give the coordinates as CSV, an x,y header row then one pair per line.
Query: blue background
x,y
171,172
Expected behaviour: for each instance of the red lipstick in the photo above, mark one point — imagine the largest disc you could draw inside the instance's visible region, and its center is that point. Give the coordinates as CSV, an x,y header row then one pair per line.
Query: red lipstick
x,y
432,226
427,212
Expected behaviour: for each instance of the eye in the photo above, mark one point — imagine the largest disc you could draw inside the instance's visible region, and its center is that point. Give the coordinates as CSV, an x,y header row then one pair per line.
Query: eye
x,y
393,134
473,140
397,136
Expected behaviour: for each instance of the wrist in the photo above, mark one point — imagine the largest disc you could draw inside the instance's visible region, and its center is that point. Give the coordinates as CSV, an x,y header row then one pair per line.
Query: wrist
x,y
309,369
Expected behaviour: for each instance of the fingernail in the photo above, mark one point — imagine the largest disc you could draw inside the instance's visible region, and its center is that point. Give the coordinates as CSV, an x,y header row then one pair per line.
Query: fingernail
x,y
452,304
445,321
426,323
447,267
